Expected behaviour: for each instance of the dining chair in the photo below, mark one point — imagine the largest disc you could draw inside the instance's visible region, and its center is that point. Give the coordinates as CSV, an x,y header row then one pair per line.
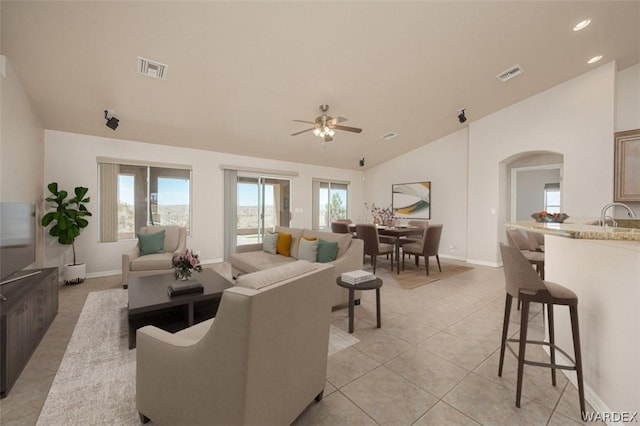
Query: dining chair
x,y
372,245
522,282
429,246
528,247
338,227
424,224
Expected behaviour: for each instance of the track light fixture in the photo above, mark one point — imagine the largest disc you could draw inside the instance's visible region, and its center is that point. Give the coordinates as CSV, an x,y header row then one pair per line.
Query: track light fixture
x,y
461,117
361,162
112,122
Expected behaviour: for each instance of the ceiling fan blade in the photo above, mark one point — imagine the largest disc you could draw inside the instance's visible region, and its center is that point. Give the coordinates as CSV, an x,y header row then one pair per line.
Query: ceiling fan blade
x,y
302,131
346,128
337,120
303,121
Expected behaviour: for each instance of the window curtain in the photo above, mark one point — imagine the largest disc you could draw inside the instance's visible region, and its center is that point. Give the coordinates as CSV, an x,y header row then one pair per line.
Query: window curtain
x,y
277,205
108,202
230,211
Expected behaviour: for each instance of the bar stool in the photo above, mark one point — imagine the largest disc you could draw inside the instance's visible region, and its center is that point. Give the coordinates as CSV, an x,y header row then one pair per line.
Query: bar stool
x,y
529,249
521,281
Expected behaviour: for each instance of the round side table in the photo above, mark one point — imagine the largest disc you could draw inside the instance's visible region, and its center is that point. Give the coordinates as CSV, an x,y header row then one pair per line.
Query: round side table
x,y
374,284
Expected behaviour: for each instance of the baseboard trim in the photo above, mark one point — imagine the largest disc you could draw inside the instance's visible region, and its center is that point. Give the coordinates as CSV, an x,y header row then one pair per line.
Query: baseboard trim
x,y
484,263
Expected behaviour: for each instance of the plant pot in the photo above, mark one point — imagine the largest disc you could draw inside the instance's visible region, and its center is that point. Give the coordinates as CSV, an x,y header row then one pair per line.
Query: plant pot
x,y
74,274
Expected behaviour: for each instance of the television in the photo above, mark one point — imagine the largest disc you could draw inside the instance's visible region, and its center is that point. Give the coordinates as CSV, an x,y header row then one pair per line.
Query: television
x,y
17,240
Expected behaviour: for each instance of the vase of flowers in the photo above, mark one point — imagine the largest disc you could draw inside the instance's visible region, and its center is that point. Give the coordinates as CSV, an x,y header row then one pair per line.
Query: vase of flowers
x,y
184,263
381,215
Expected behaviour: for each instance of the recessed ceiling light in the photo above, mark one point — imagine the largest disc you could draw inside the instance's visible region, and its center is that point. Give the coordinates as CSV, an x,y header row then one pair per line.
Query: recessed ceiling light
x,y
594,59
582,25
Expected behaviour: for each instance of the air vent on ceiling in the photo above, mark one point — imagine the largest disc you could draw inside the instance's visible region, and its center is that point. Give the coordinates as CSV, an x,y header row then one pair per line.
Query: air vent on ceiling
x,y
388,136
510,73
152,69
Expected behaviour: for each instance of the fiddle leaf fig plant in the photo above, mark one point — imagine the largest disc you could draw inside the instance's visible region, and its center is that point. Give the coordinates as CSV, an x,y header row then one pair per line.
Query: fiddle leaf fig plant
x,y
68,218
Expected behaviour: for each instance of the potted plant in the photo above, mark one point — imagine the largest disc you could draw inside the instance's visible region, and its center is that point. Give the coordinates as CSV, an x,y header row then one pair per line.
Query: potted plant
x,y
68,220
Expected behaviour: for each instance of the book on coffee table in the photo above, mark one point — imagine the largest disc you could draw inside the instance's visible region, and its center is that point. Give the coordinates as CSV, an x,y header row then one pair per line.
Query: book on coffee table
x,y
185,287
356,277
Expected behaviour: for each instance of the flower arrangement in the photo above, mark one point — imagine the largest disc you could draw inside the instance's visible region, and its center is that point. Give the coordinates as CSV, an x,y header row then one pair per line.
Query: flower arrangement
x,y
381,215
545,216
185,263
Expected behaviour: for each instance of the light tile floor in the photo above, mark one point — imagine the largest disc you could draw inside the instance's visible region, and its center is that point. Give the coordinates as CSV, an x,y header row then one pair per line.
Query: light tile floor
x,y
433,362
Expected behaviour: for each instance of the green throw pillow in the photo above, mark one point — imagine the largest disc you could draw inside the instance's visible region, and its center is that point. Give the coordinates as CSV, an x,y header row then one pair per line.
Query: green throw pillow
x,y
308,250
270,242
151,243
327,251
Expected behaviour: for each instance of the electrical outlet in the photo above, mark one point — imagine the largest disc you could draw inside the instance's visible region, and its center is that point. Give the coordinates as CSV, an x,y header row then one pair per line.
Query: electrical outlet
x,y
452,248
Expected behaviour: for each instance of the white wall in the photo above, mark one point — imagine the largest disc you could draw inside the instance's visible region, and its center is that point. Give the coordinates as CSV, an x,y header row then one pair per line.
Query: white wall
x,y
530,190
628,99
21,148
71,161
444,163
575,119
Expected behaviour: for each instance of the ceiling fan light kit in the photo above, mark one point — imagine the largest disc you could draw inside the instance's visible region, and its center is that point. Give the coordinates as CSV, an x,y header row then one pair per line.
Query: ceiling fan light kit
x,y
324,126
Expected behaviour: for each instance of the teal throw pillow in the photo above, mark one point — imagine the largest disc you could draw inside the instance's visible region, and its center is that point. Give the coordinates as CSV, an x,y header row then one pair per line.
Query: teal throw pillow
x,y
327,251
270,242
308,250
151,243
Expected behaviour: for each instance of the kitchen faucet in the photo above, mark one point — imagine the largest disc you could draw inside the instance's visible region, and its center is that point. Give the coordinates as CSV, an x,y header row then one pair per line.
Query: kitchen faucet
x,y
630,212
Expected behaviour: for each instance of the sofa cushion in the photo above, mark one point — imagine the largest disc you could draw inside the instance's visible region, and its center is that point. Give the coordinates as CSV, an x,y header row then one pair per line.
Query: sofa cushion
x,y
296,233
152,262
343,240
151,243
261,279
253,261
327,251
308,249
284,244
270,242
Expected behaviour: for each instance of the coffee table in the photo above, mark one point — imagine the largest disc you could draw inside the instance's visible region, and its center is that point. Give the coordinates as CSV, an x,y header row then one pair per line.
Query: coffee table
x,y
374,284
150,304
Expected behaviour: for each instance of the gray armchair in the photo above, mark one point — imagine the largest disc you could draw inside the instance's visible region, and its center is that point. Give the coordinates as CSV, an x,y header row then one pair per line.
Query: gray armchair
x,y
261,361
134,265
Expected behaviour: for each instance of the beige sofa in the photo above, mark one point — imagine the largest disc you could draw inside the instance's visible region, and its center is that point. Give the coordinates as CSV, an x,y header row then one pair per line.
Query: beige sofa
x,y
261,361
252,258
134,265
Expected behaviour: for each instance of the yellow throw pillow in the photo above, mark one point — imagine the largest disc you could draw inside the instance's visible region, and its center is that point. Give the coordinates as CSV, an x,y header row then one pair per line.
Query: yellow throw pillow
x,y
310,238
284,244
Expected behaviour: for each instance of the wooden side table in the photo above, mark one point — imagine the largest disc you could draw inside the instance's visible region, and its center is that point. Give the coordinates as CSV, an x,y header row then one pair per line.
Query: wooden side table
x,y
367,285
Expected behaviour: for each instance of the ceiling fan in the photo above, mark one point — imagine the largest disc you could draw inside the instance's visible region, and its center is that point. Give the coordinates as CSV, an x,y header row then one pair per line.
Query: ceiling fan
x,y
325,125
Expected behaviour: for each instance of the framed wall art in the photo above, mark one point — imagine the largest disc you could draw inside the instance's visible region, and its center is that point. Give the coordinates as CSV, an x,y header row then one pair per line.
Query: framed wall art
x,y
411,200
627,163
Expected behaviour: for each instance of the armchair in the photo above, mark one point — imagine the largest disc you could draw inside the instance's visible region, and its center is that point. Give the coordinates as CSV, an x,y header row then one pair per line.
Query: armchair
x,y
261,360
134,265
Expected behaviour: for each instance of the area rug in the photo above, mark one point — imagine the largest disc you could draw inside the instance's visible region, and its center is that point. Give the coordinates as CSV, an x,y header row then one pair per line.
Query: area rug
x,y
413,277
95,383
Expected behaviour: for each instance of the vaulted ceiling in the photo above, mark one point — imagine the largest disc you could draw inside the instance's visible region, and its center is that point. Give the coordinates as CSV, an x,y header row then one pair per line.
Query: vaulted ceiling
x,y
239,72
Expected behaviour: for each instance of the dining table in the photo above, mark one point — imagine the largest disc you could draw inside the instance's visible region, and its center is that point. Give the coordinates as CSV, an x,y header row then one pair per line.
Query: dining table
x,y
396,232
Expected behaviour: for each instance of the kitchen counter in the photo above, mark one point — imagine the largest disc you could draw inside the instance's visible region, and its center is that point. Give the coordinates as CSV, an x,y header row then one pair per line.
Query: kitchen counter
x,y
602,266
581,231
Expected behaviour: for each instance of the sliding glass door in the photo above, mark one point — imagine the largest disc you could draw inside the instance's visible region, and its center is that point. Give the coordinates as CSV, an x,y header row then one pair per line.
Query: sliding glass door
x,y
261,204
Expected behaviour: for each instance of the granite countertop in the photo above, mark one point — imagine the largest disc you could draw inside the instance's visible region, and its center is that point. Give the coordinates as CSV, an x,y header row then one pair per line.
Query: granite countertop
x,y
579,230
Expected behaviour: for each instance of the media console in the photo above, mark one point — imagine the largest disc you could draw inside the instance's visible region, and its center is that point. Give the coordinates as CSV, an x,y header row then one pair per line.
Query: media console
x,y
31,305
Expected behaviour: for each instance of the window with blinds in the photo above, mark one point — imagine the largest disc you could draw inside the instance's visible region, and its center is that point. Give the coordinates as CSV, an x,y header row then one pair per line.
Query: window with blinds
x,y
552,197
329,202
136,195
